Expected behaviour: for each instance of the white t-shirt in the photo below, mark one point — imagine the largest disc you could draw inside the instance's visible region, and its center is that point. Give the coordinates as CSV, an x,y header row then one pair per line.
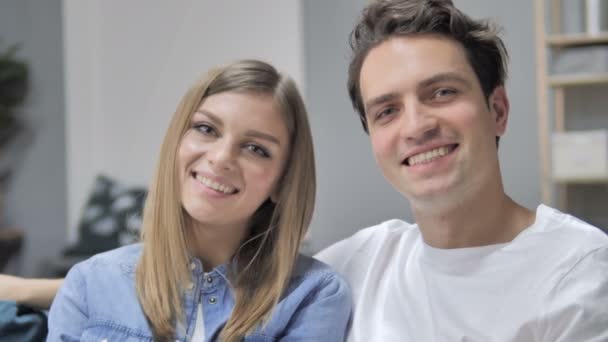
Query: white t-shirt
x,y
549,284
199,327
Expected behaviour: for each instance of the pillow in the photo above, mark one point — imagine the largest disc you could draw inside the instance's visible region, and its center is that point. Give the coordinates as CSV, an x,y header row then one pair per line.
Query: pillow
x,y
110,219
21,323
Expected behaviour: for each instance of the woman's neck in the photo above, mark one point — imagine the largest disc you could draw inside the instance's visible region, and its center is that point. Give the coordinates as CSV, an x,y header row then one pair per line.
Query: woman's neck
x,y
214,245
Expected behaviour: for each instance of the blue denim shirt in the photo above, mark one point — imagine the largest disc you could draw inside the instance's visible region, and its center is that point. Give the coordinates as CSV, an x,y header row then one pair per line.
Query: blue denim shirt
x,y
98,302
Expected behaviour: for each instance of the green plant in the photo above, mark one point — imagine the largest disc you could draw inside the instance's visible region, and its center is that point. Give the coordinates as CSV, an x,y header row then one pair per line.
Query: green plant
x,y
14,84
13,90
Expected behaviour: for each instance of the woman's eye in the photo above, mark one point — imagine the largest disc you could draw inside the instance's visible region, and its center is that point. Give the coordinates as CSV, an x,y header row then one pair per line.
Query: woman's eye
x,y
205,129
262,152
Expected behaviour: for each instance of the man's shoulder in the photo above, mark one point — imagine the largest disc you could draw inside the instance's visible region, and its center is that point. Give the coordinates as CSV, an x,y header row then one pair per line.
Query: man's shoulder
x,y
367,242
560,244
556,227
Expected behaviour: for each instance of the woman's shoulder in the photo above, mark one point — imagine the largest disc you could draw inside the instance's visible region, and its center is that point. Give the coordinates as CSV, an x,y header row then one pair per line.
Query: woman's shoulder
x,y
106,280
105,271
99,299
312,275
317,303
123,259
307,267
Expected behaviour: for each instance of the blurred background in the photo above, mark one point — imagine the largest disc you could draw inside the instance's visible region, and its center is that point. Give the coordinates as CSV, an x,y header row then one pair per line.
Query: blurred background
x,y
104,77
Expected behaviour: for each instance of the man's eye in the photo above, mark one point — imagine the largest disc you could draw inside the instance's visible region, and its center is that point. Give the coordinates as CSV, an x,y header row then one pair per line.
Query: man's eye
x,y
258,150
444,92
385,112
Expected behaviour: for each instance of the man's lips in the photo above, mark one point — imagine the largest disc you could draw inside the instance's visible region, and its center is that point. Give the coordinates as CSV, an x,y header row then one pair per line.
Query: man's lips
x,y
428,154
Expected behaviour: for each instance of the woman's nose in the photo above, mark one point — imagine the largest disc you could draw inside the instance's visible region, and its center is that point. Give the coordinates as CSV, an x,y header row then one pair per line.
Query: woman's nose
x,y
221,156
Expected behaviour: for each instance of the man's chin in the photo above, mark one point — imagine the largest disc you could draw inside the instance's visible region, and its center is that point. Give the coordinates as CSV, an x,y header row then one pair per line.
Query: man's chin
x,y
435,196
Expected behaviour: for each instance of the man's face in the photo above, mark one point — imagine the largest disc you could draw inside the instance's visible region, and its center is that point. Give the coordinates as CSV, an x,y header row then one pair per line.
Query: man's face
x,y
432,131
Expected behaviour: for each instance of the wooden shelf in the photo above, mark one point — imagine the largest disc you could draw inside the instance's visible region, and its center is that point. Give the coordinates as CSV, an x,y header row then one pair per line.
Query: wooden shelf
x,y
593,180
573,80
552,90
582,39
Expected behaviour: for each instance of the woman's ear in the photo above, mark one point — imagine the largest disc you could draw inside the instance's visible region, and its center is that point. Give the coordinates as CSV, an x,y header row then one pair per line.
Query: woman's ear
x,y
274,196
276,192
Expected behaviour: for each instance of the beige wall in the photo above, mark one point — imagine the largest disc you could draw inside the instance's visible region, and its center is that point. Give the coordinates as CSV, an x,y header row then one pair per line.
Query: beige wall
x,y
129,62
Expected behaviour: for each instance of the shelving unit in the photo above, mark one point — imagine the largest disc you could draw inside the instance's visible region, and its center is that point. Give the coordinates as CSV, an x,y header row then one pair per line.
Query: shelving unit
x,y
594,180
582,39
552,89
577,80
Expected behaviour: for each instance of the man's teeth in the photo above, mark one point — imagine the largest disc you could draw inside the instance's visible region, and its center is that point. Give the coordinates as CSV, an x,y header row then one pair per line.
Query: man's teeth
x,y
428,156
215,185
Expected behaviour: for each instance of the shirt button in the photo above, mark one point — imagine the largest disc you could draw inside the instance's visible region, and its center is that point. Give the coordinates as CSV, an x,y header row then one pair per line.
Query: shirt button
x,y
212,300
209,279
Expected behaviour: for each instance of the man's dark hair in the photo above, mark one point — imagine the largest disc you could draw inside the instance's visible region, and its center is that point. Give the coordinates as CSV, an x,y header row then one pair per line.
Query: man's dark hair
x,y
385,19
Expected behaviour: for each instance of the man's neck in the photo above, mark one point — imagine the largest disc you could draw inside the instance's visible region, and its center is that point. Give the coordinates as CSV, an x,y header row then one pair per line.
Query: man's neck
x,y
491,218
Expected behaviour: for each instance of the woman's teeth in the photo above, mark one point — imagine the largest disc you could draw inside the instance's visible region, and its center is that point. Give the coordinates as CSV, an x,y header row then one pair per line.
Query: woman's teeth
x,y
215,185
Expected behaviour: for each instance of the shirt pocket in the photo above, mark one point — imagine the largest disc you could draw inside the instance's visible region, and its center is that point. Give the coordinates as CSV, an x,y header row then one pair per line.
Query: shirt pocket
x,y
112,332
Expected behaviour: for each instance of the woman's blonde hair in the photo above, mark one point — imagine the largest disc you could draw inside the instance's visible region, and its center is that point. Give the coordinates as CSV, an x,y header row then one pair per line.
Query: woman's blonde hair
x,y
261,267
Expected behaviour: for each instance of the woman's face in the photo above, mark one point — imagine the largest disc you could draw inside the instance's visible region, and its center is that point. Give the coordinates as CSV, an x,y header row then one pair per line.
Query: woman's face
x,y
231,157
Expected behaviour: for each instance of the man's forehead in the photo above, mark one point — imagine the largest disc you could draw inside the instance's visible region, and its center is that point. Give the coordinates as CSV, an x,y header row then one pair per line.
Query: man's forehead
x,y
408,61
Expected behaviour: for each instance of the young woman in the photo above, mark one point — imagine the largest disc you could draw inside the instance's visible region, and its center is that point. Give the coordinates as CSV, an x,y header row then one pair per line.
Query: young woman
x,y
231,199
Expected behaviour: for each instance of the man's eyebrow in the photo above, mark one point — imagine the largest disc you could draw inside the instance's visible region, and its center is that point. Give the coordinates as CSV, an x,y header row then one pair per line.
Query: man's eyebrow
x,y
445,77
442,77
378,100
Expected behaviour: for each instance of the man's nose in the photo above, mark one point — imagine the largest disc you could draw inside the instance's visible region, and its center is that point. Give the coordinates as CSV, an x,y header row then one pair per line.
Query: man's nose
x,y
418,124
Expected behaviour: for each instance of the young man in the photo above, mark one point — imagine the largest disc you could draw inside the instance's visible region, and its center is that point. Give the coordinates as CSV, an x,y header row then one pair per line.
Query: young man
x,y
428,84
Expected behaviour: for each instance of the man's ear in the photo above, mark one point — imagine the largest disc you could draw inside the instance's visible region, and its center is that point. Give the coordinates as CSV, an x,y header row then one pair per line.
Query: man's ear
x,y
499,105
